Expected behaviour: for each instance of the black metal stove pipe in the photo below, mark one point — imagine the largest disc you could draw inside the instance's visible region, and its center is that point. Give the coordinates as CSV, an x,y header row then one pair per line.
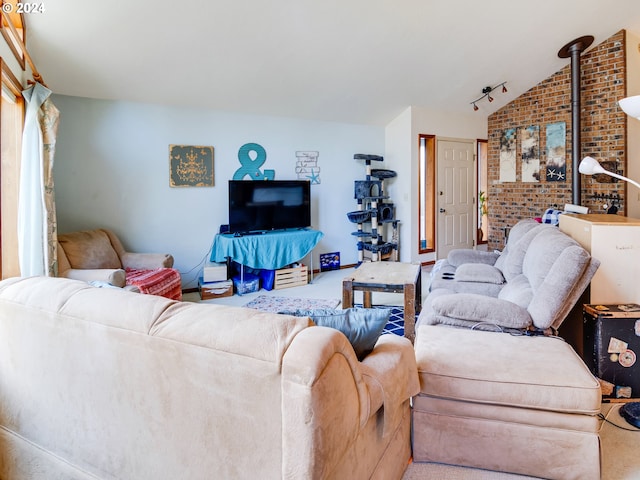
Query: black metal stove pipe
x,y
574,49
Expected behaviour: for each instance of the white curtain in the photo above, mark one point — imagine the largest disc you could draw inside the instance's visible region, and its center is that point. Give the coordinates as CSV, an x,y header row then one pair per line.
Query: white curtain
x,y
37,226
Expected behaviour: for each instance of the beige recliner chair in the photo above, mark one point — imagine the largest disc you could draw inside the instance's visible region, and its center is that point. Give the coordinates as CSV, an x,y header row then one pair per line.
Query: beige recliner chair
x,y
517,401
97,256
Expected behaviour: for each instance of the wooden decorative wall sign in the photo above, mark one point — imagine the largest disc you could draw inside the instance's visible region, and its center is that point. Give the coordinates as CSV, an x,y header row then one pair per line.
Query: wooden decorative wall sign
x,y
252,156
191,166
610,165
307,166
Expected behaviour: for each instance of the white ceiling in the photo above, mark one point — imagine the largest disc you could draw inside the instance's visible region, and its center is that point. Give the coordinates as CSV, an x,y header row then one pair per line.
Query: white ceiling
x,y
354,61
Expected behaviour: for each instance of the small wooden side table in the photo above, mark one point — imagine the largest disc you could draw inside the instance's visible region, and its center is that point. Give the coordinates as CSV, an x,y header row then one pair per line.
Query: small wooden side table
x,y
393,277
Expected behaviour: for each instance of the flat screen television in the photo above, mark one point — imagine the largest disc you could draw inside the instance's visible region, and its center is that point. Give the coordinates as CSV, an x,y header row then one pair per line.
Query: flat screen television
x,y
264,205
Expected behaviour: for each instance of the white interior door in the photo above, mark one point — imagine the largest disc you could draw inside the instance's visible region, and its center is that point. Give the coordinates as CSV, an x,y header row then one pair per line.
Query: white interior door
x,y
455,199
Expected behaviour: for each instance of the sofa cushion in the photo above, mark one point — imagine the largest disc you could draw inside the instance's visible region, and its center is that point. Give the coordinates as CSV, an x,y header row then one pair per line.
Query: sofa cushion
x,y
542,253
559,287
510,262
479,272
89,249
536,372
361,326
518,291
520,229
473,309
515,235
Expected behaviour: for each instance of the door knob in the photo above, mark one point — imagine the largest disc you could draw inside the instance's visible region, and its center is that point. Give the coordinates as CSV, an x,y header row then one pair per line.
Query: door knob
x,y
442,210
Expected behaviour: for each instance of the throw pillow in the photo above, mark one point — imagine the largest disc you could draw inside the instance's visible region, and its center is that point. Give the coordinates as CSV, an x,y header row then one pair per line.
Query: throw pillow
x,y
361,326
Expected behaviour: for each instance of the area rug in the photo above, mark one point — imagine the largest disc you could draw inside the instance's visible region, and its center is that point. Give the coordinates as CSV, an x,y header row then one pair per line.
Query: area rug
x,y
274,304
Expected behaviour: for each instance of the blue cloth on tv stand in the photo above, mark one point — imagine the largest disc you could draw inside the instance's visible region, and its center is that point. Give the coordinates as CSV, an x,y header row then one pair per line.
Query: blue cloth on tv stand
x,y
269,250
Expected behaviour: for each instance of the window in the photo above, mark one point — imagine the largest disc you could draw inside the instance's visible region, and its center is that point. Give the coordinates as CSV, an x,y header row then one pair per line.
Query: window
x,y
13,40
11,122
426,193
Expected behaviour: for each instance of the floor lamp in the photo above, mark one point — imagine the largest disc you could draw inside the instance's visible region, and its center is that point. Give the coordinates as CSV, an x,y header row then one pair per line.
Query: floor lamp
x,y
590,166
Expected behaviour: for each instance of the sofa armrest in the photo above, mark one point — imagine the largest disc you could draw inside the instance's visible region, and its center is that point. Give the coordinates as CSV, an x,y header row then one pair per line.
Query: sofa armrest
x,y
114,276
146,261
479,273
326,399
391,366
324,402
469,309
461,256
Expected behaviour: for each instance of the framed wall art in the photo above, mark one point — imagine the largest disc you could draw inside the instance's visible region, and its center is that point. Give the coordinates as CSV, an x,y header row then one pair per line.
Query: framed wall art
x,y
307,166
508,155
530,148
191,166
556,152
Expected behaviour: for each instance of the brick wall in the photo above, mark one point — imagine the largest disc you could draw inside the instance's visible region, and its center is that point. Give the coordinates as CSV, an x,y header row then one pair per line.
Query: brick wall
x,y
603,137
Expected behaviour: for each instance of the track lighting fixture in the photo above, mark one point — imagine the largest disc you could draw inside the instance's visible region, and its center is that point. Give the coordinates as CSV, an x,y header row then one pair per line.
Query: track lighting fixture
x,y
486,91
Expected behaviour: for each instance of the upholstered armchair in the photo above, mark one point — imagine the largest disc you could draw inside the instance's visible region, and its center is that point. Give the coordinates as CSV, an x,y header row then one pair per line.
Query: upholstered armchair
x,y
97,256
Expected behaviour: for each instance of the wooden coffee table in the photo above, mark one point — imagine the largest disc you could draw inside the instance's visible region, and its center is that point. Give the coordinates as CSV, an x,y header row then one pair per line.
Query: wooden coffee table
x,y
393,277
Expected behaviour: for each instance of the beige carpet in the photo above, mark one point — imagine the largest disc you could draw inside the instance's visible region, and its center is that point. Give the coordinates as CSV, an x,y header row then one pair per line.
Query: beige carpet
x,y
620,457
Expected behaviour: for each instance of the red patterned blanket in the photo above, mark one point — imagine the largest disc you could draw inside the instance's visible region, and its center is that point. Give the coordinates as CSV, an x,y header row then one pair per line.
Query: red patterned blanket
x,y
161,281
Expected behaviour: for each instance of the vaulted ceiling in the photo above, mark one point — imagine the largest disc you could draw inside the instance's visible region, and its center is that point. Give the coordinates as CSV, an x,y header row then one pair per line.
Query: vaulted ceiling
x,y
354,61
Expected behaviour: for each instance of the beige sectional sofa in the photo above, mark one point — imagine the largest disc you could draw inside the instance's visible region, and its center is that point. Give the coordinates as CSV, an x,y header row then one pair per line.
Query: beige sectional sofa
x,y
100,383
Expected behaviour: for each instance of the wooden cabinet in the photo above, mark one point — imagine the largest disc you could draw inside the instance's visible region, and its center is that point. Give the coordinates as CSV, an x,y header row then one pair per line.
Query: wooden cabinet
x,y
615,241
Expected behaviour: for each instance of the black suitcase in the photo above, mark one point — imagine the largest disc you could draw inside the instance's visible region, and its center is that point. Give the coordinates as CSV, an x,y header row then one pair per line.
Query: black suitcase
x,y
612,344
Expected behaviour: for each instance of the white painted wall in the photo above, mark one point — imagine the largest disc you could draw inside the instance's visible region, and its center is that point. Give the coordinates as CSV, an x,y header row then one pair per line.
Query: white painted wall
x,y
401,136
398,157
112,170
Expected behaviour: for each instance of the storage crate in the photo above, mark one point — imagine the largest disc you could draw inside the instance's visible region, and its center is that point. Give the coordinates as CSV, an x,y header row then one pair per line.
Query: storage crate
x,y
291,277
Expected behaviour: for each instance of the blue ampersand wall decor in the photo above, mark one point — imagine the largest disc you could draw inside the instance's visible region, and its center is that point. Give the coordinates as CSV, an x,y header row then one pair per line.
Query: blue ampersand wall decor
x,y
251,167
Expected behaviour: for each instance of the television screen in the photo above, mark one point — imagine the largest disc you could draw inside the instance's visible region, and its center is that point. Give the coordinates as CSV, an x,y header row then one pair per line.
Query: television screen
x,y
258,206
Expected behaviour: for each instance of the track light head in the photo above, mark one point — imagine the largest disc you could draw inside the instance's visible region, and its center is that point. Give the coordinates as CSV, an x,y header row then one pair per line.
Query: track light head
x,y
486,92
